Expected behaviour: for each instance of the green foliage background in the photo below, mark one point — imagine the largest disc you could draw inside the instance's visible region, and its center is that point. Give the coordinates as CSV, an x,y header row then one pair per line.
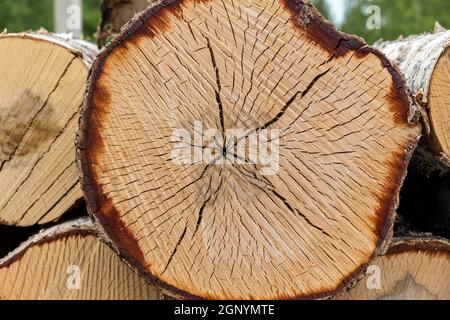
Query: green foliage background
x,y
399,17
22,15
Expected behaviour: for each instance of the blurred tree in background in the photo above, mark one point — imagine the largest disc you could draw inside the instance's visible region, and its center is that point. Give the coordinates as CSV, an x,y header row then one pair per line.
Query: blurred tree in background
x,y
399,17
323,7
23,15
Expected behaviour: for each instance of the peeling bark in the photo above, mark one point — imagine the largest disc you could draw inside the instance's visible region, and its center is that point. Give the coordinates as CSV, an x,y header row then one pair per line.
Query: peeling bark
x,y
425,62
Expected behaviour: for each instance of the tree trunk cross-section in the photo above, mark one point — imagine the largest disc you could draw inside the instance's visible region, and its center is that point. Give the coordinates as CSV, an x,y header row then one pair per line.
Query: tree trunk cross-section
x,y
412,269
68,262
42,81
425,62
228,229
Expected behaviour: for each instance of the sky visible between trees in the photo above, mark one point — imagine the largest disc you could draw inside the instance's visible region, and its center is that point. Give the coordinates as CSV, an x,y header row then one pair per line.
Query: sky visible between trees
x,y
398,17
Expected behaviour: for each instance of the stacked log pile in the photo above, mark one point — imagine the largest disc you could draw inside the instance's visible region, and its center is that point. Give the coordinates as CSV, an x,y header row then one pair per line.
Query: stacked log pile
x,y
425,62
223,150
412,269
68,262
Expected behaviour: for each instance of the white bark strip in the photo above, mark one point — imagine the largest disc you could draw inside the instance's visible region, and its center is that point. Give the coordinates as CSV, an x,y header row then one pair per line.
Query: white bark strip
x,y
85,50
82,224
421,59
416,56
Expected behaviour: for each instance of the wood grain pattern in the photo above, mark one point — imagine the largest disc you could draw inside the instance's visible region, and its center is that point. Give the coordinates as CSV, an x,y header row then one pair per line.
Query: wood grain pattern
x,y
412,269
68,262
224,230
42,80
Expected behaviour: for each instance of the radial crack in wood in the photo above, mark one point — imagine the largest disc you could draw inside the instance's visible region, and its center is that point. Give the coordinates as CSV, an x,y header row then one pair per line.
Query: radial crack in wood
x,y
43,78
412,269
68,262
300,208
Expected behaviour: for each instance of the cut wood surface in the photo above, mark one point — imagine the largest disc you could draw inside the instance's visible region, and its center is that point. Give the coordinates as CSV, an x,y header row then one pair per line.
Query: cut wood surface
x,y
412,269
68,262
42,81
228,226
425,62
117,13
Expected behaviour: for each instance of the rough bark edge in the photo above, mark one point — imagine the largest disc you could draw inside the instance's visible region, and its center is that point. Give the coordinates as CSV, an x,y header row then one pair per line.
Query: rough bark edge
x,y
79,227
333,41
410,243
86,51
395,48
431,160
105,28
414,244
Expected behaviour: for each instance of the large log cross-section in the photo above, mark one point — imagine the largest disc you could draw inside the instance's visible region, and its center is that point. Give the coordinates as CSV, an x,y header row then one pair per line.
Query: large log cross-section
x,y
300,208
